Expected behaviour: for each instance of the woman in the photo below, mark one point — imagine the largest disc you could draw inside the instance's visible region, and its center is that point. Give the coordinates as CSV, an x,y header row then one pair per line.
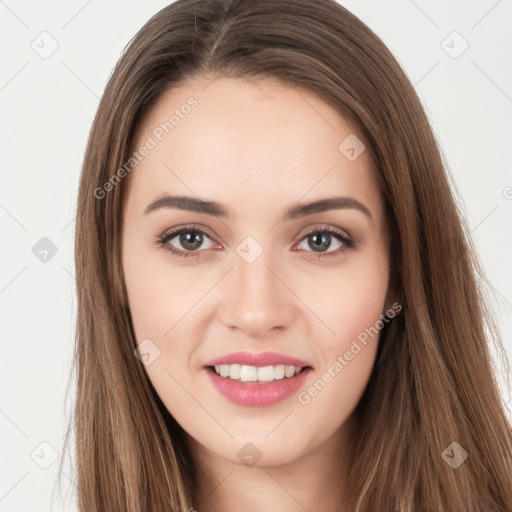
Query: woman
x,y
277,302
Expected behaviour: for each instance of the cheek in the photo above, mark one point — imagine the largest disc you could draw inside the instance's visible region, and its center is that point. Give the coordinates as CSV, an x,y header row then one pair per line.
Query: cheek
x,y
158,297
167,307
352,306
348,299
162,303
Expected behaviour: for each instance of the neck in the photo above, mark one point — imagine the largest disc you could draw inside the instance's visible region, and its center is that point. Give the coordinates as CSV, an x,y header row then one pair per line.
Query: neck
x,y
313,481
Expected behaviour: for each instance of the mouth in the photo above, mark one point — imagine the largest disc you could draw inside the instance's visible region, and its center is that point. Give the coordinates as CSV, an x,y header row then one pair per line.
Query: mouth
x,y
257,379
253,386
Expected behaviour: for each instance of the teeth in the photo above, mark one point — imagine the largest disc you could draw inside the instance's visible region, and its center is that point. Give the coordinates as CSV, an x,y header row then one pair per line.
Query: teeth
x,y
234,371
246,373
289,371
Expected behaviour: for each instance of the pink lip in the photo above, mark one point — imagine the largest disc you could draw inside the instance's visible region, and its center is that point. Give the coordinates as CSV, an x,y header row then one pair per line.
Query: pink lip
x,y
262,359
257,394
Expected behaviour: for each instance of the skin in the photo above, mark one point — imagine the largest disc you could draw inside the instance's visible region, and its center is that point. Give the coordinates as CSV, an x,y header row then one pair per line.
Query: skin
x,y
257,148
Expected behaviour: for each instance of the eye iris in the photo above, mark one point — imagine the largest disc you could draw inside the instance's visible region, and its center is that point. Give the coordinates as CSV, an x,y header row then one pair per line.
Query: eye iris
x,y
191,240
321,241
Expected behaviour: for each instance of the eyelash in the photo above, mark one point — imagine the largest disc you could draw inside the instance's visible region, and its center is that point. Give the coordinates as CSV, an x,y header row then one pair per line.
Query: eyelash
x,y
167,236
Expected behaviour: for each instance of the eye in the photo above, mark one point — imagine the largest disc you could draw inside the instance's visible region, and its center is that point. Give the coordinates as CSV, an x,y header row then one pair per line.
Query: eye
x,y
189,239
320,240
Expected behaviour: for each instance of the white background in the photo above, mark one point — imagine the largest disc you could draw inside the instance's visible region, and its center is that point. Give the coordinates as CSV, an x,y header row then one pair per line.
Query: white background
x,y
47,107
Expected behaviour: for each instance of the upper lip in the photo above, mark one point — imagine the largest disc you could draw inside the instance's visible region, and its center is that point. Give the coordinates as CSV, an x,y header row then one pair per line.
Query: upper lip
x,y
261,359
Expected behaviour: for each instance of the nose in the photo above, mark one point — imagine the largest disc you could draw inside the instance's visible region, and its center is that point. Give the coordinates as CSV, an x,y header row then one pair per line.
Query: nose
x,y
255,298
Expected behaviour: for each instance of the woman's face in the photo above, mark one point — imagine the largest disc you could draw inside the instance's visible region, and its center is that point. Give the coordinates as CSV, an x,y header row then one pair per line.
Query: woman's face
x,y
254,273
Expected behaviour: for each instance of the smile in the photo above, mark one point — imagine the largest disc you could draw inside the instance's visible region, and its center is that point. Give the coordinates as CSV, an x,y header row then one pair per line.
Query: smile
x,y
257,392
257,379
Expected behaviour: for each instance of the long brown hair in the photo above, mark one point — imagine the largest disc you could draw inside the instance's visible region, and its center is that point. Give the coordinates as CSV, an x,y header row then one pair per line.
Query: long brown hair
x,y
433,383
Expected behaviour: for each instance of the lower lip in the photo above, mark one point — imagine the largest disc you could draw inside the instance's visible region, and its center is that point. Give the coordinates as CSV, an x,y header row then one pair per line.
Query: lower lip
x,y
257,394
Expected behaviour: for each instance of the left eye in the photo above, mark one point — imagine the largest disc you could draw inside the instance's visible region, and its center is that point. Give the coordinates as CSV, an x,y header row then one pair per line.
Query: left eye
x,y
191,240
322,239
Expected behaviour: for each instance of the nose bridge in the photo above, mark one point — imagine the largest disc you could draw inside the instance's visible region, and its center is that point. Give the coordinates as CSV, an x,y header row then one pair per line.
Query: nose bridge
x,y
256,300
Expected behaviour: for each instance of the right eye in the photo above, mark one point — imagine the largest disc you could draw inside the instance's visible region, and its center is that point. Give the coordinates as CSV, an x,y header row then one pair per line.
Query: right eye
x,y
189,238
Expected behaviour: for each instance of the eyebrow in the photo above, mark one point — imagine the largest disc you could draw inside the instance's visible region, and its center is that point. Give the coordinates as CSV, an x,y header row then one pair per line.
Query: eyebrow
x,y
296,211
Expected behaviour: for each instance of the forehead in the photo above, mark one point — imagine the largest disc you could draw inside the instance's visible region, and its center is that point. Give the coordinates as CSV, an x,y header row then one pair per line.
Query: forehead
x,y
239,140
